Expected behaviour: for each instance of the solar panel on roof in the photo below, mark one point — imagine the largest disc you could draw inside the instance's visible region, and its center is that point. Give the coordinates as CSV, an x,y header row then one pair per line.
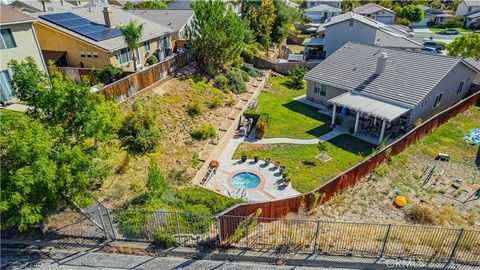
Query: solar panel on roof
x,y
82,26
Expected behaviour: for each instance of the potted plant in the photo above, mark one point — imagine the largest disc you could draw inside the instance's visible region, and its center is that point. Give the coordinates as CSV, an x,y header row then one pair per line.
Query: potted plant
x,y
286,181
267,161
244,157
255,158
284,173
276,164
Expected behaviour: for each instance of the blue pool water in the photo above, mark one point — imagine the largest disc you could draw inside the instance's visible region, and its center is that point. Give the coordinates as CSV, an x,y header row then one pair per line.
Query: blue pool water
x,y
245,180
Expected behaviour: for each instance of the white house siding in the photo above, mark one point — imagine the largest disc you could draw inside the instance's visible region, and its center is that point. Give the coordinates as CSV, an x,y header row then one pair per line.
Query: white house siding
x,y
463,10
330,93
383,17
320,16
317,2
338,34
448,86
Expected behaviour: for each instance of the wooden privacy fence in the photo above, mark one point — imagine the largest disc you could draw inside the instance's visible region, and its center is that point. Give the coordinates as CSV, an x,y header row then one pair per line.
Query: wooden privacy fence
x,y
141,80
280,208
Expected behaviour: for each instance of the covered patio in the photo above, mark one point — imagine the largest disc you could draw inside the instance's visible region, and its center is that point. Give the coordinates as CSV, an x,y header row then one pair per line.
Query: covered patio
x,y
371,116
313,49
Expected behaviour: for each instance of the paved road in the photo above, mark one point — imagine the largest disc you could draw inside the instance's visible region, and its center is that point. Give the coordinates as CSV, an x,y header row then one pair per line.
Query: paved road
x,y
421,33
83,261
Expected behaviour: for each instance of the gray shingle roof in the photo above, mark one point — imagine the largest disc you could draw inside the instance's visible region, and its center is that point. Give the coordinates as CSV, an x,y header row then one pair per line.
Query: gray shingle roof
x,y
371,8
395,36
472,3
11,15
173,19
323,7
408,76
151,30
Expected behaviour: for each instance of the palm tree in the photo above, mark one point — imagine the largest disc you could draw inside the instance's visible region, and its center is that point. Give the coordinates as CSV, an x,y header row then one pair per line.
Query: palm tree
x,y
132,32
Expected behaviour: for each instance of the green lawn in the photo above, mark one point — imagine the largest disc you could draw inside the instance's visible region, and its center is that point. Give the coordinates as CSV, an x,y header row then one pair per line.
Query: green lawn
x,y
345,151
438,29
289,118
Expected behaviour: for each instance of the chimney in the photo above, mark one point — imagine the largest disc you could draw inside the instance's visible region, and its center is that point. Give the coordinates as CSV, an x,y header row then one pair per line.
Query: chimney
x,y
107,16
381,63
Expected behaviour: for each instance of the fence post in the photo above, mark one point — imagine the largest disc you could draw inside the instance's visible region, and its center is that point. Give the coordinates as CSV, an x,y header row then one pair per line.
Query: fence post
x,y
317,230
459,237
111,224
102,222
219,230
178,229
385,240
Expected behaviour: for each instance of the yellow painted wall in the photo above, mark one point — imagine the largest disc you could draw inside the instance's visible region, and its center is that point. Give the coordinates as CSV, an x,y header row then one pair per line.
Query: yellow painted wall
x,y
53,40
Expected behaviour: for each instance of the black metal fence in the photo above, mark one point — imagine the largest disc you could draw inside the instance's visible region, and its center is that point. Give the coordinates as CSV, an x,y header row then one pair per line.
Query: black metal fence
x,y
405,242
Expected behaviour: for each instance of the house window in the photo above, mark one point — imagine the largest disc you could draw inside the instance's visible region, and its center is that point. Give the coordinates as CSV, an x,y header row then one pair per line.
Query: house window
x,y
460,87
320,89
7,40
350,23
123,56
146,46
6,93
95,55
82,54
438,98
469,9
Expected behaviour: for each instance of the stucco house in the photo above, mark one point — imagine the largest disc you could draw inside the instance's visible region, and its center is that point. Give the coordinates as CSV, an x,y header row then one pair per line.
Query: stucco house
x,y
176,20
334,3
321,13
357,28
17,41
432,16
376,12
380,91
89,37
468,7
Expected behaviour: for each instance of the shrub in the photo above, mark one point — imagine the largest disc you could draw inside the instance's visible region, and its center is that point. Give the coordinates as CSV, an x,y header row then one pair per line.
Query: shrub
x,y
124,165
131,223
322,146
261,126
307,19
250,70
215,202
139,132
402,21
252,114
198,218
295,77
244,74
313,201
163,239
195,160
421,213
215,102
195,108
151,60
455,22
156,183
107,74
221,82
204,132
236,81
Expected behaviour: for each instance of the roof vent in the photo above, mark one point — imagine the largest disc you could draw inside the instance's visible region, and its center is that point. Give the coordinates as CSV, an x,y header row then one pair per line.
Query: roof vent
x,y
381,63
107,16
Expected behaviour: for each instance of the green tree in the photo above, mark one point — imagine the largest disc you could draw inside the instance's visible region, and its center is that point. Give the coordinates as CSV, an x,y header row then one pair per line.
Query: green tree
x,y
215,34
397,9
39,170
132,33
295,77
152,4
156,183
465,46
349,5
285,16
139,132
106,75
412,13
261,21
128,5
56,100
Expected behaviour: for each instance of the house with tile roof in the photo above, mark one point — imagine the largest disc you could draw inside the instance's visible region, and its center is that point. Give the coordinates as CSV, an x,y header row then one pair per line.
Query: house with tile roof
x,y
383,91
17,42
333,3
42,6
376,12
321,13
96,41
357,28
176,20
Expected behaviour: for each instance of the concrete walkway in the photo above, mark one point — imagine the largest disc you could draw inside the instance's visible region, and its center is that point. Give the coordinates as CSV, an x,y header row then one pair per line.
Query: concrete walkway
x,y
324,137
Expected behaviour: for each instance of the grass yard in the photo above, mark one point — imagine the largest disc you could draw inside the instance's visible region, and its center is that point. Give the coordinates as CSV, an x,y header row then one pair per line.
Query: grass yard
x,y
459,29
305,171
437,202
290,118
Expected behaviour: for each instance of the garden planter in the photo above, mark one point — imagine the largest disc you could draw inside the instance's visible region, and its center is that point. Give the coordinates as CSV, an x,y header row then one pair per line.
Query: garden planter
x,y
244,158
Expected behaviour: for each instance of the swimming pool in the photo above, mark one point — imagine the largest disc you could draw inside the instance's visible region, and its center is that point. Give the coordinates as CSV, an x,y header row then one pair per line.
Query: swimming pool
x,y
245,180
